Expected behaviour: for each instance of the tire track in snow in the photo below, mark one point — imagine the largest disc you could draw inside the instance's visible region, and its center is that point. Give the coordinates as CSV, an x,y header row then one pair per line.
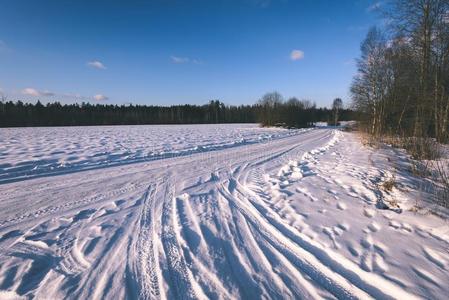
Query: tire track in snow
x,y
177,268
52,209
243,245
144,255
338,275
248,245
307,263
102,273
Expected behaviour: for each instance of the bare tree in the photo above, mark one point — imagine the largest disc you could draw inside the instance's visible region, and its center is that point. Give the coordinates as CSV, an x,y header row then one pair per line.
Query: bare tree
x,y
337,105
268,105
373,82
424,24
402,85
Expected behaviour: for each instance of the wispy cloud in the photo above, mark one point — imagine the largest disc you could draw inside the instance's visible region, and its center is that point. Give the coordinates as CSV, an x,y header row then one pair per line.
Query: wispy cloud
x,y
37,93
184,60
96,65
179,60
45,93
296,55
100,97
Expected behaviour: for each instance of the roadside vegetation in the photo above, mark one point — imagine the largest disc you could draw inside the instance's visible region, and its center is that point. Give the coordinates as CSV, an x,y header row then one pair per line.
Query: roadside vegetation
x,y
401,89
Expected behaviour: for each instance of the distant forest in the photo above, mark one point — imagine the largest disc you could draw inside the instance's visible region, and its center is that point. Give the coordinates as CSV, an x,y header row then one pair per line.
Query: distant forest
x,y
289,114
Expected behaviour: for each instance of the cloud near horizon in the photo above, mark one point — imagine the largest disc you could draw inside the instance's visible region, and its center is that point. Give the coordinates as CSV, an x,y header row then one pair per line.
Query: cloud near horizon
x,y
45,93
100,97
96,65
36,93
296,55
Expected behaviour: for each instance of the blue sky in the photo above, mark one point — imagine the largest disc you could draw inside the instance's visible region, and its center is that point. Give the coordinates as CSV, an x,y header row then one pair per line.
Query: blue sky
x,y
166,52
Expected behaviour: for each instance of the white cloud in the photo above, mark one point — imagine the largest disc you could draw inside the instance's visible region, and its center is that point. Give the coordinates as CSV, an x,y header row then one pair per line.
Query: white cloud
x,y
179,60
96,64
101,97
185,60
31,92
37,93
296,55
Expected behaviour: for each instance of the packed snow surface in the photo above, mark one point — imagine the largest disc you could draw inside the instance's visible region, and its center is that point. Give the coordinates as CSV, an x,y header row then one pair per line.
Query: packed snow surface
x,y
268,213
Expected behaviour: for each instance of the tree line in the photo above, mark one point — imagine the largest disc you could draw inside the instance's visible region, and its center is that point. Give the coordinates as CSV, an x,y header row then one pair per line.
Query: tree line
x,y
271,110
18,114
402,84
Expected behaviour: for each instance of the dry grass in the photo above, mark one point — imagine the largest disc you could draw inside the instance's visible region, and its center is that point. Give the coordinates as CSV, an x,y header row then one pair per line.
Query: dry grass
x,y
368,140
422,148
389,184
418,148
442,183
426,162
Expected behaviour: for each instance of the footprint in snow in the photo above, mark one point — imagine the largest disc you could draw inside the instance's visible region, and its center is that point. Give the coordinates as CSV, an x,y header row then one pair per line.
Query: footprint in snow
x,y
395,224
331,233
407,227
332,192
426,276
371,259
353,249
341,206
373,262
367,242
374,227
344,226
435,257
404,226
368,212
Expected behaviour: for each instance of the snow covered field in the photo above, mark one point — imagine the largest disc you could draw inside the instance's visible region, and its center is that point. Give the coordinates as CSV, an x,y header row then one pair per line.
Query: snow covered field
x,y
270,214
34,152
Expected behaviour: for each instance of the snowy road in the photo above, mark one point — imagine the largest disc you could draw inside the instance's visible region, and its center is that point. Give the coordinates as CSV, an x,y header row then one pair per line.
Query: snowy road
x,y
292,217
